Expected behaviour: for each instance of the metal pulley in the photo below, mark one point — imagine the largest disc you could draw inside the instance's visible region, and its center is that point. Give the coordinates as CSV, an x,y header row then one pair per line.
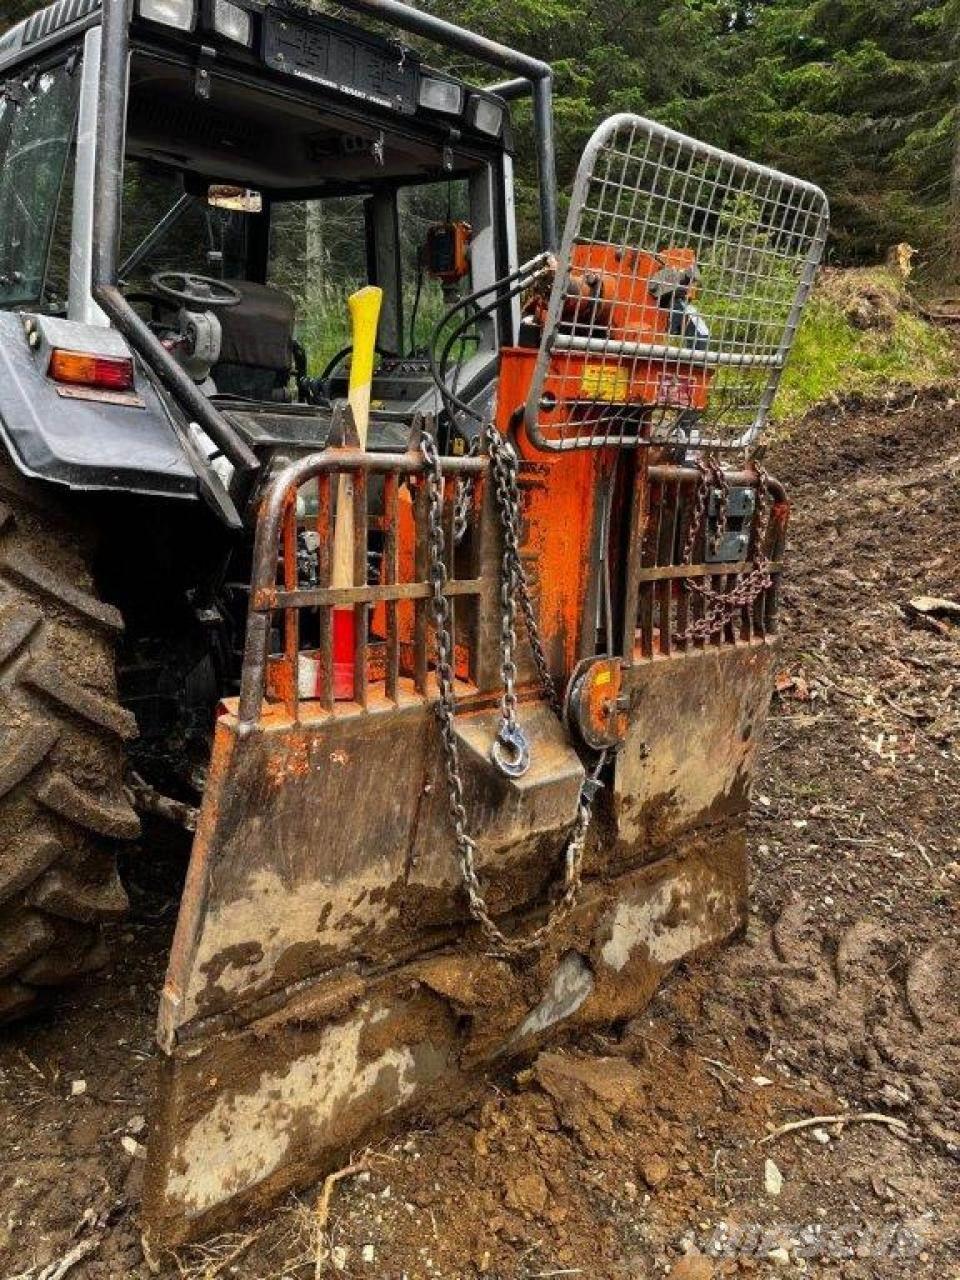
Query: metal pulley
x,y
595,709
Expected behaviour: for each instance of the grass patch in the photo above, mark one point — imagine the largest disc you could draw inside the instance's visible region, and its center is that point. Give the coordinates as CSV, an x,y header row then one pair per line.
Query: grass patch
x,y
835,355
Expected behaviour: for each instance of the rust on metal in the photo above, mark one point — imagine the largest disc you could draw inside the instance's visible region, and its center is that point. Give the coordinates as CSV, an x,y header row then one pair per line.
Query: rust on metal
x,y
326,979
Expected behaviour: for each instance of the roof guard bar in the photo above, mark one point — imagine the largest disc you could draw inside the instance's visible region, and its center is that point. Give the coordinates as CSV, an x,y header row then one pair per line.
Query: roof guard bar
x,y
538,74
108,176
111,123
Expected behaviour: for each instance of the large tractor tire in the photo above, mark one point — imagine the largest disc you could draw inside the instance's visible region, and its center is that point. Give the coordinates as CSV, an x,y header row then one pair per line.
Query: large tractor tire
x,y
63,808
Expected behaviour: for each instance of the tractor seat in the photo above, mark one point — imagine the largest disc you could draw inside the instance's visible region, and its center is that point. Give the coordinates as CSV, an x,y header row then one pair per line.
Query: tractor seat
x,y
257,347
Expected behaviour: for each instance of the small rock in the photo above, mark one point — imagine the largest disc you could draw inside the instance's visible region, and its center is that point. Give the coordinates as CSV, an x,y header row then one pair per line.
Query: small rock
x,y
529,1192
368,1253
779,1257
136,1124
762,1082
820,1135
77,1087
654,1171
772,1178
338,1256
132,1147
693,1266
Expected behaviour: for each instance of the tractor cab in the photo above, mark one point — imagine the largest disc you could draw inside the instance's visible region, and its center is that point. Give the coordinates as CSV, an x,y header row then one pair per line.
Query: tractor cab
x,y
273,162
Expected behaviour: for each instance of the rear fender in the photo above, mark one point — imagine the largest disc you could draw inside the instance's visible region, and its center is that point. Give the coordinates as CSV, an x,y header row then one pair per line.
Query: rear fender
x,y
63,435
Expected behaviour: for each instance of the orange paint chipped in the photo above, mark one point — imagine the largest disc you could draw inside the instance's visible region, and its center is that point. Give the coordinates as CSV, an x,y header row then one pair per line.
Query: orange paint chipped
x,y
558,493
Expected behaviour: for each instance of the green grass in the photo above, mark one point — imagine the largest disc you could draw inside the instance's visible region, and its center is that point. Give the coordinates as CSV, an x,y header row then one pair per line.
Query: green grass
x,y
324,324
832,357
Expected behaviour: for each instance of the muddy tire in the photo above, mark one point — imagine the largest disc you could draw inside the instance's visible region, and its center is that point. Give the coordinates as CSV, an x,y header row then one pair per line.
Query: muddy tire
x,y
63,809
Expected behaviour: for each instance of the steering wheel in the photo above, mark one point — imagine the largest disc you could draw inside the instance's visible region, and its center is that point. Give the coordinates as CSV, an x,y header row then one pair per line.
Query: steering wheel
x,y
200,291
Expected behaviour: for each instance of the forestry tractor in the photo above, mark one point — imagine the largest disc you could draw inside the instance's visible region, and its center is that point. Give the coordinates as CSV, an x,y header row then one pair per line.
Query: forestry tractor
x,y
432,586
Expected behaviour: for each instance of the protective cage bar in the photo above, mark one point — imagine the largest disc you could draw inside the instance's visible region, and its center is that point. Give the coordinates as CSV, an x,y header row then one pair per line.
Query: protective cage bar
x,y
663,606
292,599
680,284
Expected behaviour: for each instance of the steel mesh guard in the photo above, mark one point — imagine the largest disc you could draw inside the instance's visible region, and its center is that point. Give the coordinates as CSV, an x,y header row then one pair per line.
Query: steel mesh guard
x,y
678,291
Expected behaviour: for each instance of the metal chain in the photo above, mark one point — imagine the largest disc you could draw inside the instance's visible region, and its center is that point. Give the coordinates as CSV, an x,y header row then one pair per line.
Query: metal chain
x,y
446,713
463,498
721,607
510,737
507,493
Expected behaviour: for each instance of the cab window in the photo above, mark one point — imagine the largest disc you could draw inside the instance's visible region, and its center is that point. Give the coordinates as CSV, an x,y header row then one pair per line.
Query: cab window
x,y
318,255
199,238
425,297
37,127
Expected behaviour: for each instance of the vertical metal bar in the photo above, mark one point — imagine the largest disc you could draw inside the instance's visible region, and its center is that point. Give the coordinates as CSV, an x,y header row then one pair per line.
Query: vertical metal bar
x,y
546,158
391,569
666,548
700,557
420,634
291,616
450,540
718,582
639,507
776,541
685,515
360,521
81,306
651,541
324,579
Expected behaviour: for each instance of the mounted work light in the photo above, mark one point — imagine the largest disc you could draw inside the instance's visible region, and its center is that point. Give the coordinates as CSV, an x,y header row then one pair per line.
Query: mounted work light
x,y
486,116
230,21
441,95
179,14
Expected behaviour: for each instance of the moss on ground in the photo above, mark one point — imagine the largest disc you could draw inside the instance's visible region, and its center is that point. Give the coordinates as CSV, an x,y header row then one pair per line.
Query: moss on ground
x,y
862,333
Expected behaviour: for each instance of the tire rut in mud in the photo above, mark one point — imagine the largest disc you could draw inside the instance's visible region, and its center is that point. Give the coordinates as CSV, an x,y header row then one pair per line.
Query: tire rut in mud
x,y
878,1012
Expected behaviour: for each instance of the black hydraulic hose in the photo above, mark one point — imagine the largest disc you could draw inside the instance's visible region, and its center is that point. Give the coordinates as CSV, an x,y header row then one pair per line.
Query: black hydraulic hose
x,y
521,276
451,401
438,369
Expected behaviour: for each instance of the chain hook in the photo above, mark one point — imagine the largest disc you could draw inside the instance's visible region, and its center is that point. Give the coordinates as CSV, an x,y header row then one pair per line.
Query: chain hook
x,y
510,734
511,751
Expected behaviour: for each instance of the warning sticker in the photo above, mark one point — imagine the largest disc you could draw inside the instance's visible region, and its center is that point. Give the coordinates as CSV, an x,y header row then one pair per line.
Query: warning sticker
x,y
606,382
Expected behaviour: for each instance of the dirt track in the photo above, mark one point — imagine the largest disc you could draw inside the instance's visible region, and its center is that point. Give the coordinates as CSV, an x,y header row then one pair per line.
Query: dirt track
x,y
611,1158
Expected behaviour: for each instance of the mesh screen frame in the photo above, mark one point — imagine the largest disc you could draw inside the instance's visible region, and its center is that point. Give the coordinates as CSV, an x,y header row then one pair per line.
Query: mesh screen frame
x,y
632,365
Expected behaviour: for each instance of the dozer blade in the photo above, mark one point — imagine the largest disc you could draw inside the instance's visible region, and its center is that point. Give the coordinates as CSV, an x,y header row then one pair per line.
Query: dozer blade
x,y
326,982
323,988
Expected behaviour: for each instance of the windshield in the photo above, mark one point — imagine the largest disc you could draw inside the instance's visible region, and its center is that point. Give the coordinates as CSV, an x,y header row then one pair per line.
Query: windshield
x,y
318,253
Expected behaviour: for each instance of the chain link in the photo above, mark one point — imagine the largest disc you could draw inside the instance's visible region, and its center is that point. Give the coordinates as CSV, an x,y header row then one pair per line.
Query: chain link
x,y
503,460
463,498
504,467
721,607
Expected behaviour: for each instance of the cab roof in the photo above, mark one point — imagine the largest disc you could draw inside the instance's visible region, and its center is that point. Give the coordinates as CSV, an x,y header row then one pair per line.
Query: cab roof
x,y
369,56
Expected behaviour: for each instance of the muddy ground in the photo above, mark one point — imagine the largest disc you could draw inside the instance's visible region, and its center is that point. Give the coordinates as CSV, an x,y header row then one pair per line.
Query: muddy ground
x,y
655,1150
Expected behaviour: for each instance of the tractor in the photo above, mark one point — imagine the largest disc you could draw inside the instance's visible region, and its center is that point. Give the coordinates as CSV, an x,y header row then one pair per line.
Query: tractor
x,y
431,587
